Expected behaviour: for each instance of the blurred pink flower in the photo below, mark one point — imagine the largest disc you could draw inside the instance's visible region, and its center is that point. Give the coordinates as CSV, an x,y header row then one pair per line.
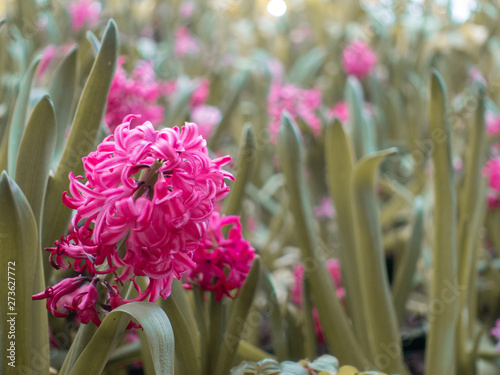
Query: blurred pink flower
x,y
492,123
50,55
476,75
154,191
492,171
84,13
187,9
185,43
333,266
339,110
495,331
207,117
139,94
298,102
222,264
325,209
200,95
358,59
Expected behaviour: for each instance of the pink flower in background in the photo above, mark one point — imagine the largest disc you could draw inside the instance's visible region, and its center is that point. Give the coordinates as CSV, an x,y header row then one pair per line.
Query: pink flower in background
x,y
325,209
298,102
155,191
207,117
492,171
84,13
476,75
495,331
187,9
339,110
200,95
492,123
185,43
333,266
358,59
222,264
50,55
139,94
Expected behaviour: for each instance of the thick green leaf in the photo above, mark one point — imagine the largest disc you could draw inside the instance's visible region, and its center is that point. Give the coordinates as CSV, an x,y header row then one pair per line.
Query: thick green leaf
x,y
306,68
187,348
62,91
155,325
23,277
363,134
440,348
82,137
339,165
35,154
309,325
325,296
237,318
12,136
244,166
378,308
94,42
402,284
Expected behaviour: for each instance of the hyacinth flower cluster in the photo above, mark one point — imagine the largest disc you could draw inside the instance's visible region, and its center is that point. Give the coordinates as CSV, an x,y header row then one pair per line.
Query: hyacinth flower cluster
x,y
222,264
207,117
84,13
298,102
492,171
144,209
358,59
333,266
139,93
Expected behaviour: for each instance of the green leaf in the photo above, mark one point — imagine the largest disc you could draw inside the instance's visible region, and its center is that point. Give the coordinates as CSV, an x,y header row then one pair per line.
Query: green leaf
x,y
187,348
244,168
402,284
378,308
94,42
12,137
306,68
309,326
82,137
237,318
440,348
155,325
35,154
363,133
62,91
22,277
325,296
177,112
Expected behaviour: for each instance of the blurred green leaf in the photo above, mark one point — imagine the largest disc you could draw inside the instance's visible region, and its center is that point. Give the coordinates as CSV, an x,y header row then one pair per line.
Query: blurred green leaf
x,y
62,91
35,154
440,348
12,137
23,277
305,69
94,42
237,318
82,137
156,326
325,297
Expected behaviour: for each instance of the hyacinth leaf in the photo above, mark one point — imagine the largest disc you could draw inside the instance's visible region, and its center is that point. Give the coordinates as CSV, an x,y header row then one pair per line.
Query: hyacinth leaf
x,y
236,322
403,278
82,137
306,68
62,91
94,42
187,350
378,308
23,277
244,168
35,154
12,136
363,134
339,166
156,326
277,331
291,159
440,348
232,99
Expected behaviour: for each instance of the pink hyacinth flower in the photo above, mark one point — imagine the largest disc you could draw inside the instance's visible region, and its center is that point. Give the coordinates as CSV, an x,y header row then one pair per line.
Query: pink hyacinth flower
x,y
339,110
333,266
84,13
145,207
298,102
139,93
325,209
200,95
358,59
222,264
492,123
185,43
492,171
207,117
495,331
